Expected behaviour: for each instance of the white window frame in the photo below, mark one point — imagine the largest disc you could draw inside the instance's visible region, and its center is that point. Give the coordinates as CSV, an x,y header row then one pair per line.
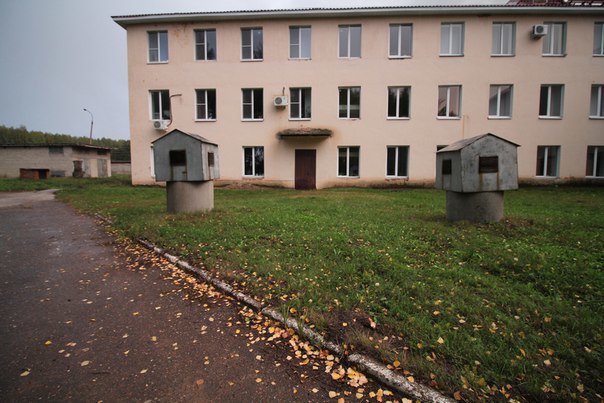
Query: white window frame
x,y
197,104
598,152
251,30
400,37
348,175
299,45
299,105
545,162
396,159
549,105
599,101
160,106
252,103
448,102
598,40
500,26
549,40
253,175
500,88
348,104
349,41
158,48
205,43
398,89
449,28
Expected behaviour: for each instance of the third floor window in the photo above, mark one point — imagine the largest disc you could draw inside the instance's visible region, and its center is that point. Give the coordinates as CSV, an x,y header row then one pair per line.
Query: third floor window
x,y
299,42
251,44
205,44
158,46
504,39
350,41
554,42
401,39
451,39
599,39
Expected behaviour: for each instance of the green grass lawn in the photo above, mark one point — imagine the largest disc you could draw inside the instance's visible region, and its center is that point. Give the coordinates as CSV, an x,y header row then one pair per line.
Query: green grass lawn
x,y
513,309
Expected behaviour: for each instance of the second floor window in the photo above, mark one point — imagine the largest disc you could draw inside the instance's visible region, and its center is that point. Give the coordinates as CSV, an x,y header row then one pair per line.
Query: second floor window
x,y
401,40
451,39
300,103
160,104
350,103
158,46
596,108
551,101
251,44
398,102
252,107
206,104
205,44
299,42
350,41
500,101
599,39
554,43
504,39
449,101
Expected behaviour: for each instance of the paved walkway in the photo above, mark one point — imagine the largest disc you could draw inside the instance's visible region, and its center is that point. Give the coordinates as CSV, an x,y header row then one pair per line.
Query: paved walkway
x,y
85,318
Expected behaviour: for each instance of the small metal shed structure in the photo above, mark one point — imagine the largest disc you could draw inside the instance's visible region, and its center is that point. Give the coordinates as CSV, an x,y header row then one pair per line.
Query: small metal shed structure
x,y
475,172
188,163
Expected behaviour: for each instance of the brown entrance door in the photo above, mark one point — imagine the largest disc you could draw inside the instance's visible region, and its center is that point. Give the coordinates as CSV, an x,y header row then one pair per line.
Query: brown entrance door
x,y
306,169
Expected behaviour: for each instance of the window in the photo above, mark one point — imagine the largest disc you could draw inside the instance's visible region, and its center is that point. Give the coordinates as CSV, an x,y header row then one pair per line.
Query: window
x,y
158,46
554,43
299,42
348,161
205,44
548,160
206,104
451,39
55,149
595,161
488,164
500,101
398,102
350,41
160,105
551,100
253,161
397,161
251,44
596,109
300,103
599,39
504,39
252,104
401,39
449,101
350,103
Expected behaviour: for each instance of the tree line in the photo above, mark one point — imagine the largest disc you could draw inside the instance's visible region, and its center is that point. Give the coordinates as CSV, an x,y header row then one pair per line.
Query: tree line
x,y
120,149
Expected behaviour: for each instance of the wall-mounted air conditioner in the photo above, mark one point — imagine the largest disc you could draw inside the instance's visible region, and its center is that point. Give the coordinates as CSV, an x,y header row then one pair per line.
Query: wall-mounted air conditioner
x,y
539,31
280,101
160,125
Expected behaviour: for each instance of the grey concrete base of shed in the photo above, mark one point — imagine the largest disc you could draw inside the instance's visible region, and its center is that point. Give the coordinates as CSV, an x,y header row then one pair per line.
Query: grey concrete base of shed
x,y
190,197
475,207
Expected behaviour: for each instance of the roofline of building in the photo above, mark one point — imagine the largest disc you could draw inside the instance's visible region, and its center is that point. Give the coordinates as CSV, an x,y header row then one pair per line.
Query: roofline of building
x,y
73,145
126,20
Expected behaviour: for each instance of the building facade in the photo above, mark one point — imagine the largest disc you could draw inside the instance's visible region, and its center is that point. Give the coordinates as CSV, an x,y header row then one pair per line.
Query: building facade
x,y
365,97
41,161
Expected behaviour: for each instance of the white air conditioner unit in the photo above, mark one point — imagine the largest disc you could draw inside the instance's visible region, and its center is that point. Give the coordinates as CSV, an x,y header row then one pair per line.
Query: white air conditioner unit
x,y
280,101
160,125
539,31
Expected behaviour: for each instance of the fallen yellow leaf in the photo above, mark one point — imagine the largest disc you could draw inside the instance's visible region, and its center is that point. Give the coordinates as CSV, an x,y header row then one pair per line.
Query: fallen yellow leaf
x,y
332,394
396,364
440,340
24,373
84,363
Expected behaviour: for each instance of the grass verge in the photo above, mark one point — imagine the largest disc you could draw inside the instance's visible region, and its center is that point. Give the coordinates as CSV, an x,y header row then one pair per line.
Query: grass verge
x,y
506,310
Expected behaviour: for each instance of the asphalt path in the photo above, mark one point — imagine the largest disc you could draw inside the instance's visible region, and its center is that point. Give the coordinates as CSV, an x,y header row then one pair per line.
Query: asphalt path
x,y
86,317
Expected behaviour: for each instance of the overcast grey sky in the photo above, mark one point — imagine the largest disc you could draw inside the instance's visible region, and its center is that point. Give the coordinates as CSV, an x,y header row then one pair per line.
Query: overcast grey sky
x,y
60,56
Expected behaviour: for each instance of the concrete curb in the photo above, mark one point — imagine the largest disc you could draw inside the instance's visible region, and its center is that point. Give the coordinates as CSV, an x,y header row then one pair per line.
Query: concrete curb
x,y
368,365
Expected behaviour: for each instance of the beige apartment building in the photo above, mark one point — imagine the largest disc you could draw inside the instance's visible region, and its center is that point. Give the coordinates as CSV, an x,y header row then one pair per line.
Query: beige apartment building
x,y
315,98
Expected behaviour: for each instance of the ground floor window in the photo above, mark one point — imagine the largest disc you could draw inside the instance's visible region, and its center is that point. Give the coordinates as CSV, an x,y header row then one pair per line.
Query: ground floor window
x,y
548,160
348,161
397,161
253,161
595,161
